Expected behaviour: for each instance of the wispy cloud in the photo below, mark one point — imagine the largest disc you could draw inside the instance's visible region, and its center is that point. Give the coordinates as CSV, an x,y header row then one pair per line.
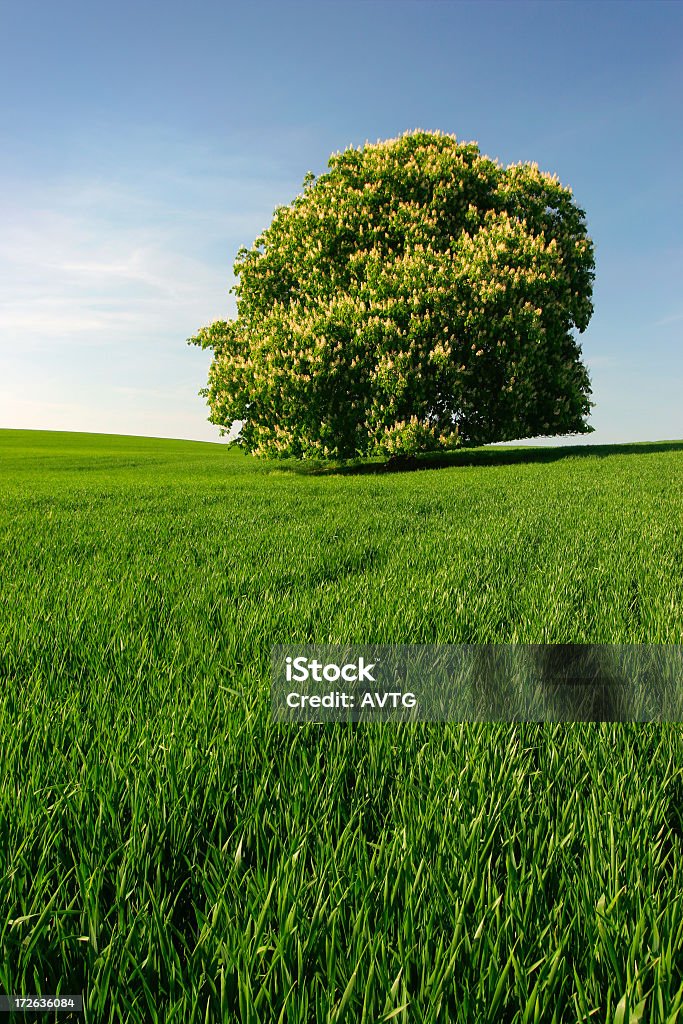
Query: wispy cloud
x,y
63,274
146,393
102,259
51,317
674,319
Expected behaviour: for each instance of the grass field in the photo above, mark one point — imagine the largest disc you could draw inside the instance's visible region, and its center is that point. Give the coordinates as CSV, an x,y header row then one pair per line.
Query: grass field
x,y
176,856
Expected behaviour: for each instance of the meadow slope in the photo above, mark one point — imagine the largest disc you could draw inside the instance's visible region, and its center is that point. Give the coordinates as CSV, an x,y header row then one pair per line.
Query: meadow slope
x,y
176,856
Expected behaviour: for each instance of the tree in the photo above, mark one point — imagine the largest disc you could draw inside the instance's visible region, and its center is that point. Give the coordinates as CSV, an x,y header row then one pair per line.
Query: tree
x,y
417,297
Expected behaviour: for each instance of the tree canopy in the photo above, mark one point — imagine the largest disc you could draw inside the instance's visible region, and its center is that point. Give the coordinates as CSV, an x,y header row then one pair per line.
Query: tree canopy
x,y
417,297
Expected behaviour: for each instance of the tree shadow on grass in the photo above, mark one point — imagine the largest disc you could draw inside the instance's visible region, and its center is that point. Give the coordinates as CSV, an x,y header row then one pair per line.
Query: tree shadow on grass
x,y
489,456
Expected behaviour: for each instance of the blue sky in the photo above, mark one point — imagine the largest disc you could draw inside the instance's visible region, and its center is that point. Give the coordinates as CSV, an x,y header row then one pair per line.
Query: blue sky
x,y
144,143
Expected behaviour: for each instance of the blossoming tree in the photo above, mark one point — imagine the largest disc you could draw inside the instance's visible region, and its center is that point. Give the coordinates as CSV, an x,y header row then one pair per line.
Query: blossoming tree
x,y
417,297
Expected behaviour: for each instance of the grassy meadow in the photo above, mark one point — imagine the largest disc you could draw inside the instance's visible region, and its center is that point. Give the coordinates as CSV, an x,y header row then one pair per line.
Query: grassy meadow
x,y
176,856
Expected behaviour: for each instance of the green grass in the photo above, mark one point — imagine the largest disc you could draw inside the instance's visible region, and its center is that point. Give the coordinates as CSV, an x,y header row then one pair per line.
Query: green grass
x,y
176,856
